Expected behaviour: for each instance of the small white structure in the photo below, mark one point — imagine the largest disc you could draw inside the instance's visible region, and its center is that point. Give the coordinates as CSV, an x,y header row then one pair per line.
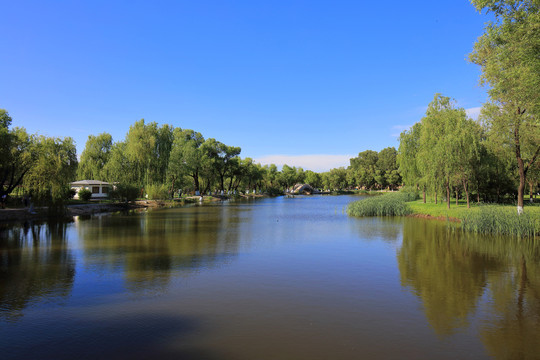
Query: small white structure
x,y
99,189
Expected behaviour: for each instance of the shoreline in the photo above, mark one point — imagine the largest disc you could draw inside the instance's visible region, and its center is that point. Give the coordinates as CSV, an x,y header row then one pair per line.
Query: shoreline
x,y
41,214
431,217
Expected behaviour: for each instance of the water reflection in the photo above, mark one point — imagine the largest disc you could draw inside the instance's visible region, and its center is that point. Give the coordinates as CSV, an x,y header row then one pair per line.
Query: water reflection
x,y
35,265
388,230
148,249
460,276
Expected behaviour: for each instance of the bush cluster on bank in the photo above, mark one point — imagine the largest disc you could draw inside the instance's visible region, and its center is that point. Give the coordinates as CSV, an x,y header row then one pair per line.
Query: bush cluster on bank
x,y
392,204
85,194
492,219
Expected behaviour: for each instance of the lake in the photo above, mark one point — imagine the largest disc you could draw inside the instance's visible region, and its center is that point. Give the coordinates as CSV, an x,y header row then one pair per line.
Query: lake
x,y
276,278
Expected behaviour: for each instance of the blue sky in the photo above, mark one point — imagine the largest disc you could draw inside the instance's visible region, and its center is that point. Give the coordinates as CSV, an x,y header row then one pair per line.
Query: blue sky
x,y
309,83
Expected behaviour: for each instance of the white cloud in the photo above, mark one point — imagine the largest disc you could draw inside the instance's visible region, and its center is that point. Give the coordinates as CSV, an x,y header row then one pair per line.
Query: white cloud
x,y
398,129
317,163
473,112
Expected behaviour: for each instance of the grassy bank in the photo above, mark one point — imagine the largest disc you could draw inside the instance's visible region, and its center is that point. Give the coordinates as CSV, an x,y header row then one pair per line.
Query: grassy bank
x,y
483,219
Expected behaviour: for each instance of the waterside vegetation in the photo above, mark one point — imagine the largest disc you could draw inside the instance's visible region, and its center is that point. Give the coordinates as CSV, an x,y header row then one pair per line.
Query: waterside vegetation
x,y
391,204
482,219
445,155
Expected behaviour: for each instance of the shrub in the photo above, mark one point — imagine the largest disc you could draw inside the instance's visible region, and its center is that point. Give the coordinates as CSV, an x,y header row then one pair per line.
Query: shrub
x,y
85,194
157,192
392,204
71,193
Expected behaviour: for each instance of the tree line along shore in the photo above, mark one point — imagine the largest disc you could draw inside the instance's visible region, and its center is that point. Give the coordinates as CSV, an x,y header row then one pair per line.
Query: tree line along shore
x,y
445,156
491,160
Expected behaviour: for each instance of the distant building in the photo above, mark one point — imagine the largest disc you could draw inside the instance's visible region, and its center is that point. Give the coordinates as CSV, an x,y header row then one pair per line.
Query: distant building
x,y
99,189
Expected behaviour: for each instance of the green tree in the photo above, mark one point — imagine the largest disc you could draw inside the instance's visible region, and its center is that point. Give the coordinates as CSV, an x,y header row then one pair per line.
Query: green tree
x,y
118,168
186,156
288,176
225,161
162,151
95,157
271,176
407,158
314,179
388,174
509,56
54,168
440,144
467,150
498,168
364,167
140,150
337,178
17,154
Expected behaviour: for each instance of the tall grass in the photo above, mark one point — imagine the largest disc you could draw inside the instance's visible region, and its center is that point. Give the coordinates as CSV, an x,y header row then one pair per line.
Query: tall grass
x,y
492,219
157,192
392,204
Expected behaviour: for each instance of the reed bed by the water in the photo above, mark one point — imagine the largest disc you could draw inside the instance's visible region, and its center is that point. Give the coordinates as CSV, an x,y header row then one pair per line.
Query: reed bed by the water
x,y
492,219
392,204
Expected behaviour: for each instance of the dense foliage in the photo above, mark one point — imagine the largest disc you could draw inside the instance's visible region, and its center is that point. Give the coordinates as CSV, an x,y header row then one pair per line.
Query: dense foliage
x,y
446,154
85,194
38,166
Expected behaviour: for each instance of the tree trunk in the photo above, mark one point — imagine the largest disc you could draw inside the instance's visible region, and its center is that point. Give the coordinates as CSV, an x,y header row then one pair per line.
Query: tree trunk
x,y
424,193
477,194
231,182
521,166
531,192
447,195
521,170
222,181
172,186
196,181
465,188
457,196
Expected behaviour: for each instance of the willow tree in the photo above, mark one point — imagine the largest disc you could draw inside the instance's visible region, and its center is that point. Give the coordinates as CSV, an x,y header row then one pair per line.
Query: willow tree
x,y
435,158
17,154
448,144
509,55
139,149
467,149
52,170
407,158
95,156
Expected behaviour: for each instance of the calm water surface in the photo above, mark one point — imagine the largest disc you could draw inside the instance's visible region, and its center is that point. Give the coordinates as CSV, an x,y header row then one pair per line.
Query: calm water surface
x,y
283,278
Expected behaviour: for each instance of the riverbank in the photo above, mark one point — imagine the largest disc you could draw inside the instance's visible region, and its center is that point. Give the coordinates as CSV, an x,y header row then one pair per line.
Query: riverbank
x,y
42,213
90,208
479,218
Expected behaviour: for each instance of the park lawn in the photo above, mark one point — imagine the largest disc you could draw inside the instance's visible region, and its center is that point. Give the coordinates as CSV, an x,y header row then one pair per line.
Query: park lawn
x,y
459,211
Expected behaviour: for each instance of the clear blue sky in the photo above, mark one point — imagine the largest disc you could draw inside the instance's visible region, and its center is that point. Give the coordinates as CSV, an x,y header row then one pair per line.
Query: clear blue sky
x,y
287,78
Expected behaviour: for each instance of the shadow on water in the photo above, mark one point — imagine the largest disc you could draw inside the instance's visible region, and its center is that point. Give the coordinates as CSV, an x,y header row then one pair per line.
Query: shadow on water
x,y
460,275
129,337
36,265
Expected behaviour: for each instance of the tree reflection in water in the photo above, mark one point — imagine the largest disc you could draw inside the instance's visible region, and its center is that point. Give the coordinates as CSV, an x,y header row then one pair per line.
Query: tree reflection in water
x,y
149,249
460,275
35,265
